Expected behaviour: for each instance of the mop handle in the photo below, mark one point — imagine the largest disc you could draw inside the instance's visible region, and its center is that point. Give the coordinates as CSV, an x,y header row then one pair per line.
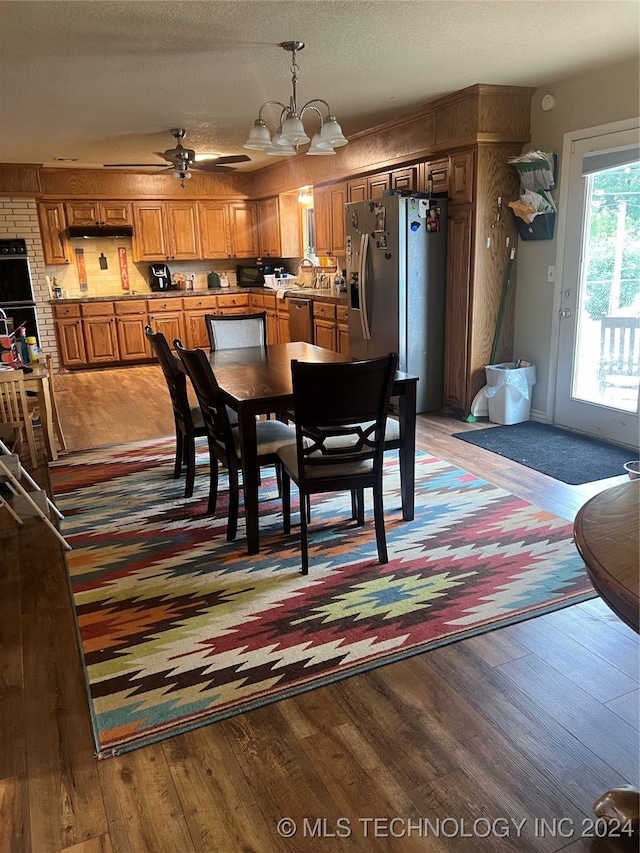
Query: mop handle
x,y
503,306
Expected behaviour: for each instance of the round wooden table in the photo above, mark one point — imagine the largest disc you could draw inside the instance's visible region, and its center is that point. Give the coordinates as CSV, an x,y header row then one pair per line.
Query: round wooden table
x,y
607,535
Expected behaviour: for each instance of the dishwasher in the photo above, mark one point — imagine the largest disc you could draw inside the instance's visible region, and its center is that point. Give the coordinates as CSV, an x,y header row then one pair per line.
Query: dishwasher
x,y
301,320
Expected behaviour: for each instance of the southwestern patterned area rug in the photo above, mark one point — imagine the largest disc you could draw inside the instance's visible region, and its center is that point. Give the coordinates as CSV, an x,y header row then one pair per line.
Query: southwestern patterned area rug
x,y
179,628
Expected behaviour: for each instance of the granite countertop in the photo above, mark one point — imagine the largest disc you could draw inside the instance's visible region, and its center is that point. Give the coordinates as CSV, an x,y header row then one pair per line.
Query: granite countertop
x,y
326,295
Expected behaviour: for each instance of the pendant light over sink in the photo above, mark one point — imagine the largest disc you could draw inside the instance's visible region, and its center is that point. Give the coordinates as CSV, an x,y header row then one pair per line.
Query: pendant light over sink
x,y
290,134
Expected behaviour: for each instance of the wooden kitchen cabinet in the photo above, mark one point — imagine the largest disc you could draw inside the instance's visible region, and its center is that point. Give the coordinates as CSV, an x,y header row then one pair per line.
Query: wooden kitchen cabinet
x,y
182,230
68,326
228,229
195,308
214,229
149,242
461,177
166,316
342,329
98,213
280,227
457,299
283,331
243,229
328,206
266,301
406,179
99,332
166,231
439,170
268,228
369,186
324,325
233,303
374,186
477,259
131,319
52,221
275,308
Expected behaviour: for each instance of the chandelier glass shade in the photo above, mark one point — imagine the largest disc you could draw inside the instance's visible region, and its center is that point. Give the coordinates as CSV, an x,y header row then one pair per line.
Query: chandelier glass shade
x,y
291,134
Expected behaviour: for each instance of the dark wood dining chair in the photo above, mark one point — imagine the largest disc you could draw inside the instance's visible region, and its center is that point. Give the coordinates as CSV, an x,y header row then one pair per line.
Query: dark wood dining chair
x,y
224,442
230,331
340,413
188,419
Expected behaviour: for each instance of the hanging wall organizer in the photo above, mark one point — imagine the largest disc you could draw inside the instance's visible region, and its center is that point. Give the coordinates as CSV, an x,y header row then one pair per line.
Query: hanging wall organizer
x,y
535,211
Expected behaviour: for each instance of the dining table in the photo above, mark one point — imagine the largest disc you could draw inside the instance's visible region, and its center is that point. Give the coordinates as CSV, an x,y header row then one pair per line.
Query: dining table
x,y
38,379
607,536
257,381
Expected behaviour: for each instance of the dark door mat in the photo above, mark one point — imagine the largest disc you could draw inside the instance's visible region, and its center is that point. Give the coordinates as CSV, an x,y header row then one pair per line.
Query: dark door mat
x,y
563,455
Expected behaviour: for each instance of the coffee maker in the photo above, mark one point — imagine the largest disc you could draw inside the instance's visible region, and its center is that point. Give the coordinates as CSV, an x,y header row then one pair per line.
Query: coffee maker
x,y
159,277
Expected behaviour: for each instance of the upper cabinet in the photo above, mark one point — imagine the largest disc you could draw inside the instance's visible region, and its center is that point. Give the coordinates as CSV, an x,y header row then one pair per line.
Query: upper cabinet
x,y
371,186
228,229
52,224
374,186
166,231
98,213
328,210
280,227
214,229
243,229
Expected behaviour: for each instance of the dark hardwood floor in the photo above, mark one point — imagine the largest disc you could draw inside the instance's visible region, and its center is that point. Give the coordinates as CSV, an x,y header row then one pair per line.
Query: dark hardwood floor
x,y
498,743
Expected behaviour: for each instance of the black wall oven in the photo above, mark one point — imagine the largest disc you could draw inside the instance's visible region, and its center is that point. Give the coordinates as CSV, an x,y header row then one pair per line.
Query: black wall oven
x,y
16,289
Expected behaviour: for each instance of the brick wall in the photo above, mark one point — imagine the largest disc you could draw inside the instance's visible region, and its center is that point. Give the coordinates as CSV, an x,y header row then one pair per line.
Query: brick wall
x,y
19,218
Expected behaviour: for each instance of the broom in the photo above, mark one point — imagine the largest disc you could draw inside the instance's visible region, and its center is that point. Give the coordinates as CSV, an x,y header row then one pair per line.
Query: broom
x,y
471,418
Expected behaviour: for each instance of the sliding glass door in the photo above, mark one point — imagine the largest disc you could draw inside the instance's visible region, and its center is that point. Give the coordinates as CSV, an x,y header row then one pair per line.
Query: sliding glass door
x,y
597,382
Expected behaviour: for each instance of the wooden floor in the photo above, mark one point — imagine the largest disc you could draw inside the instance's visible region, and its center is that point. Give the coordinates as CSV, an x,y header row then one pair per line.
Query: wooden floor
x,y
501,742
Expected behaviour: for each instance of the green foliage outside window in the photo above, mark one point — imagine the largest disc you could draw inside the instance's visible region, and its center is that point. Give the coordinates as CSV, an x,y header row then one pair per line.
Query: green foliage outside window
x,y
611,189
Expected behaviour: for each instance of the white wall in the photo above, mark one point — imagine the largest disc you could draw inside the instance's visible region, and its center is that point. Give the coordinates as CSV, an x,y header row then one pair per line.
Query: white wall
x,y
586,100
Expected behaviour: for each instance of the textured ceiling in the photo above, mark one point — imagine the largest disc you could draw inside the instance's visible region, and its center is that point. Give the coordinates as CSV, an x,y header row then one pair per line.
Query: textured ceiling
x,y
104,81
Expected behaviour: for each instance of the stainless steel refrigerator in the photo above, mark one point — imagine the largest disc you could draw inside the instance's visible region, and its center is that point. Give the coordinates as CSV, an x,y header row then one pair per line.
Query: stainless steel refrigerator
x,y
396,273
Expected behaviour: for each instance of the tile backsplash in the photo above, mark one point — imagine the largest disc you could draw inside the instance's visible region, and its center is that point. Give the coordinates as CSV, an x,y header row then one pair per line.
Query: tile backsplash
x,y
107,282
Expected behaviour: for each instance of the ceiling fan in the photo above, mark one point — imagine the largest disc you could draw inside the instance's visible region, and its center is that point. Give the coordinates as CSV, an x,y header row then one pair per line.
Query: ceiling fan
x,y
183,160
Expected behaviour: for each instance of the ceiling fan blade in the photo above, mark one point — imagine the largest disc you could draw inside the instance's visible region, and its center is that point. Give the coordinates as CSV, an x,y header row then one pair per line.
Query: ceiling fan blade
x,y
231,158
210,166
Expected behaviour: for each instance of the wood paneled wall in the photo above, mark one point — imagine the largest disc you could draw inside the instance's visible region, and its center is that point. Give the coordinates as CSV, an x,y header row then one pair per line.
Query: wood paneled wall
x,y
479,113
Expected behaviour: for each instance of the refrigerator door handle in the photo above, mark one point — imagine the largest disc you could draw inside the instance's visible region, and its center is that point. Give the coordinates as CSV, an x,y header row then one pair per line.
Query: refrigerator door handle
x,y
364,312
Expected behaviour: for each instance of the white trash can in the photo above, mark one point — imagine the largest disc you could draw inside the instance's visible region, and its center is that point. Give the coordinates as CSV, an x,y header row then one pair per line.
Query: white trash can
x,y
508,392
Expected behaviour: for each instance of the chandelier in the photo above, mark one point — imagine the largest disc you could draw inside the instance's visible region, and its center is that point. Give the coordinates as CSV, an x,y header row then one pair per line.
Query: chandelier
x,y
290,133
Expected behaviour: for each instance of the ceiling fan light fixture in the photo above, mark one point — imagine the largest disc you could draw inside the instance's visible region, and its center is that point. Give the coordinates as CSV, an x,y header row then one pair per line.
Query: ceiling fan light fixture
x,y
291,133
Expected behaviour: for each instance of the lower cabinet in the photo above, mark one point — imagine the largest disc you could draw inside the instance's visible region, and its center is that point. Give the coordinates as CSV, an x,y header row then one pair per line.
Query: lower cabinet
x,y
99,331
195,328
342,329
131,319
324,325
165,315
68,326
112,332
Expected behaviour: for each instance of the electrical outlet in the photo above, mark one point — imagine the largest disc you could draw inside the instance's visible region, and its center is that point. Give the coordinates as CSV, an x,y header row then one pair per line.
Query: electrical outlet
x,y
551,274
